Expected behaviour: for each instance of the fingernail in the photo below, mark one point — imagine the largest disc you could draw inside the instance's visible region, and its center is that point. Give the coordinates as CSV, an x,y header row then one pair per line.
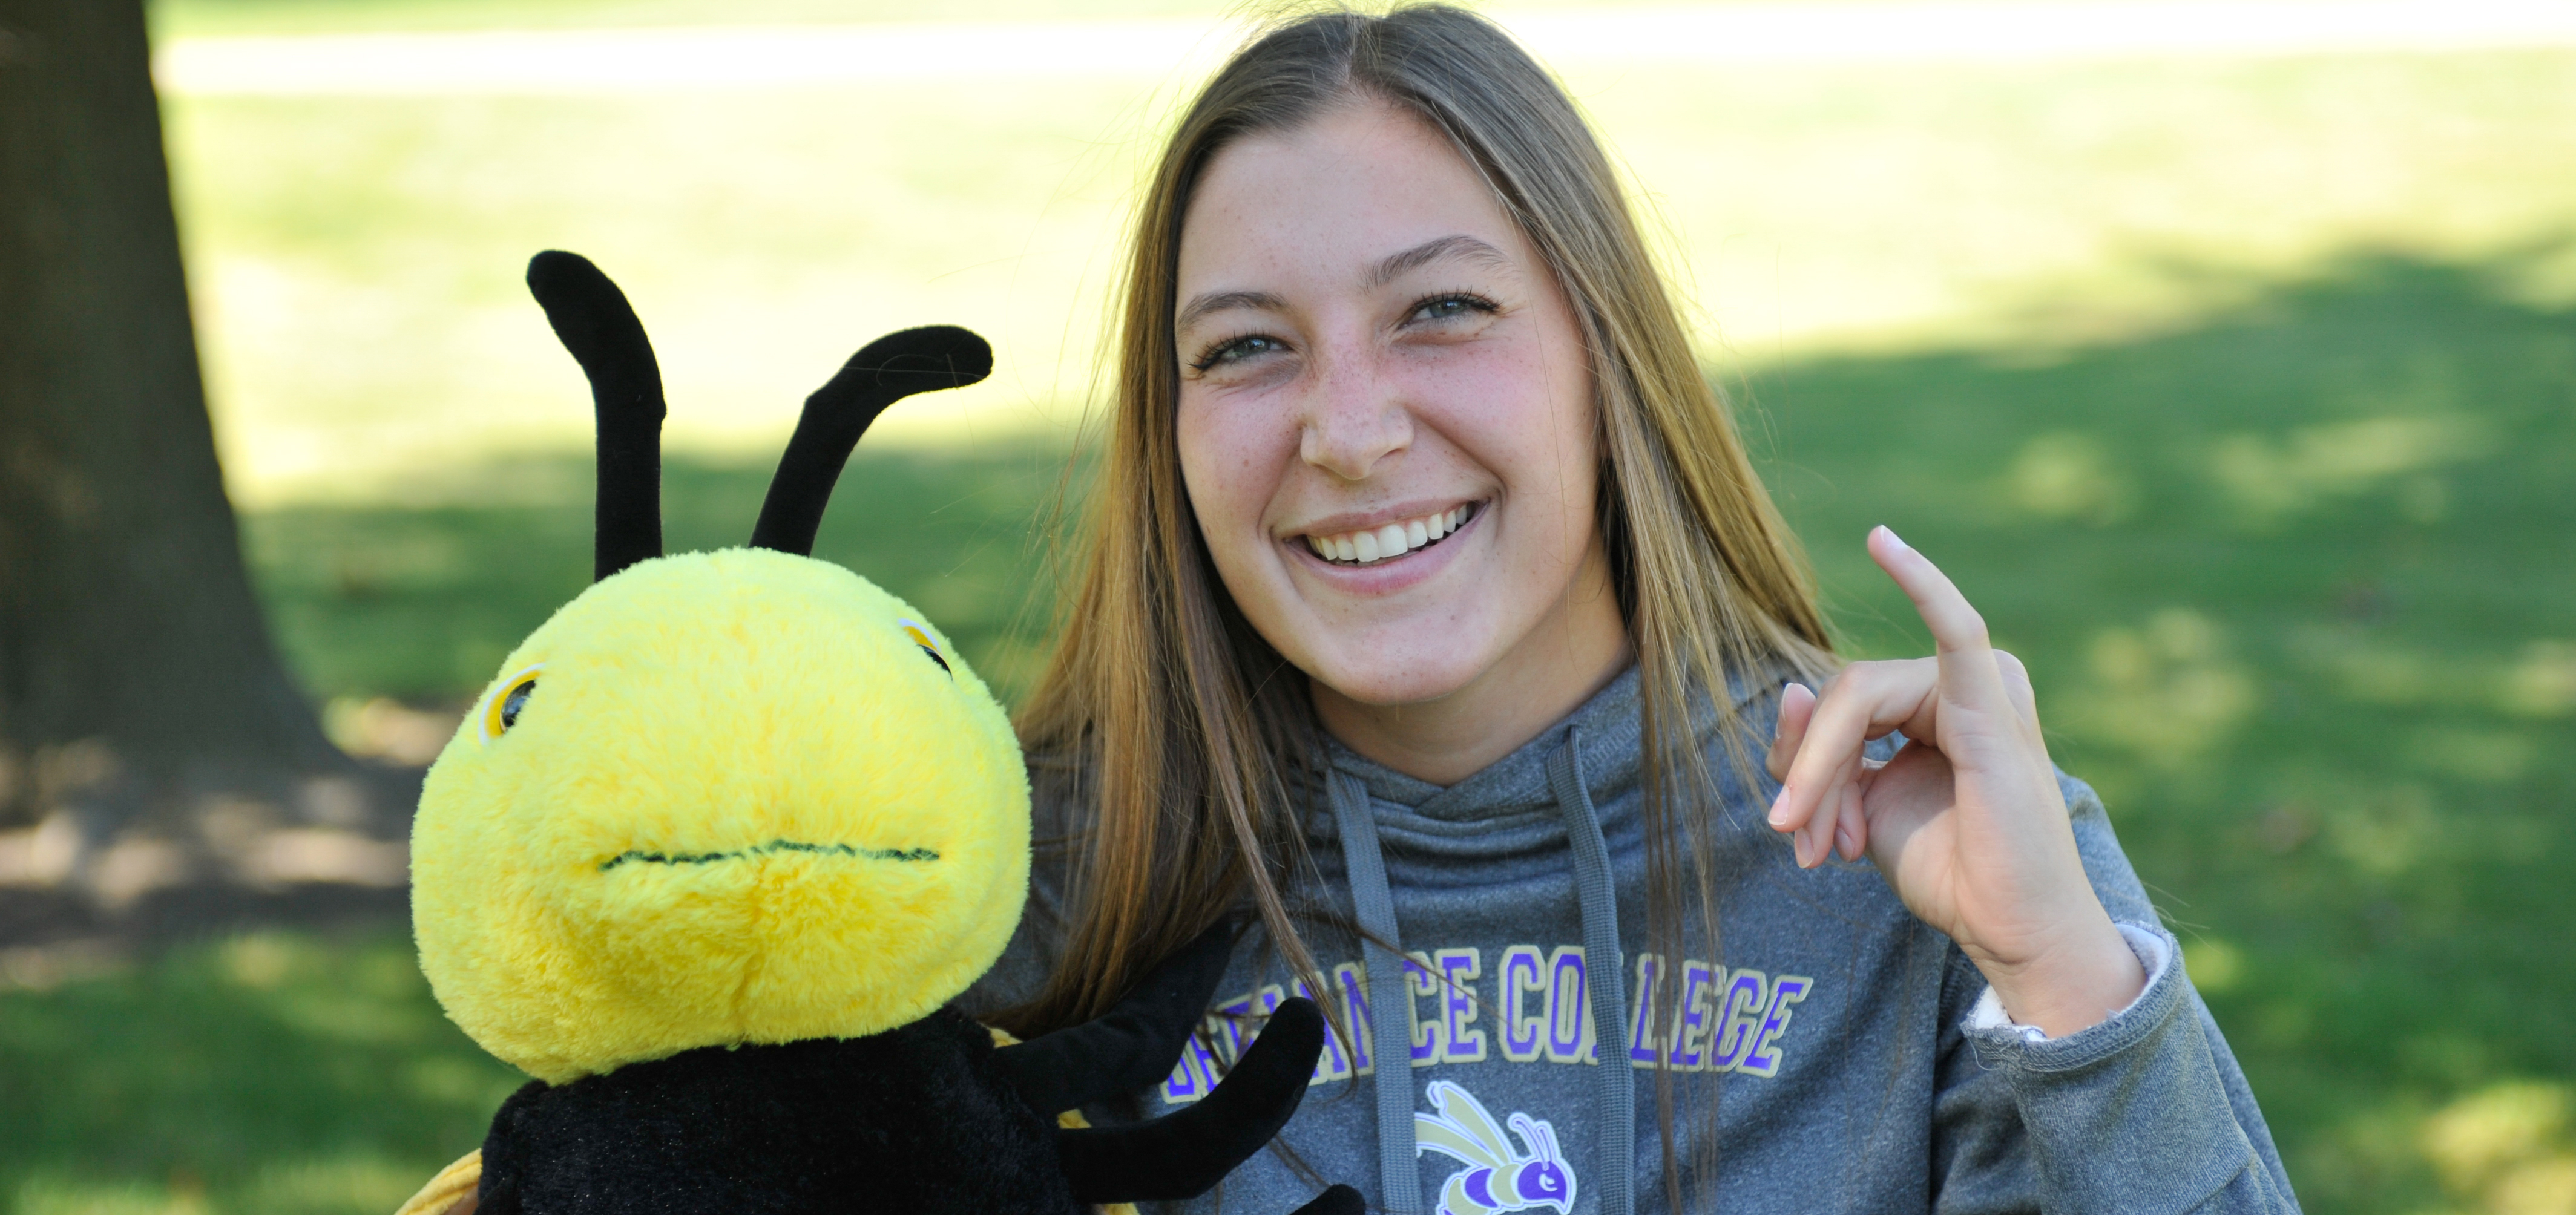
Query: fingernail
x,y
1897,540
1780,807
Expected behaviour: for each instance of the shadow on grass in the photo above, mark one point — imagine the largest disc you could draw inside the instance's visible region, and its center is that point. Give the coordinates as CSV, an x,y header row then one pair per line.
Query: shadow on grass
x,y
2298,589
2295,583
423,600
304,1072
264,1073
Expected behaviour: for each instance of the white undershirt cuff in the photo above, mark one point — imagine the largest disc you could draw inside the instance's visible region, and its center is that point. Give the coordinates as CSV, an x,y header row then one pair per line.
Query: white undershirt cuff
x,y
2147,943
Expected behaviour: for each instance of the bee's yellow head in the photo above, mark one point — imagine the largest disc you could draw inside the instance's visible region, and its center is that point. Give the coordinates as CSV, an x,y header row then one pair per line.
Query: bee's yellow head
x,y
719,798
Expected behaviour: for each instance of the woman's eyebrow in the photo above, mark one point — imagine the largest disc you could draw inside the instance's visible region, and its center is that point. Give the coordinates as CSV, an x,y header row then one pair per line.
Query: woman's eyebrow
x,y
1435,249
1387,270
1218,301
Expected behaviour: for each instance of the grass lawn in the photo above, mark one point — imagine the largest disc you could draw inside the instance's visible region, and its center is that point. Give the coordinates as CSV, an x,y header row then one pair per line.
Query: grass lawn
x,y
2295,586
357,260
197,18
2240,394
264,1073
2293,581
421,601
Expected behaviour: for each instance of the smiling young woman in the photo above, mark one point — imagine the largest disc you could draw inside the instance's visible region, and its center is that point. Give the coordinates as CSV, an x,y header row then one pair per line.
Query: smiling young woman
x,y
1337,398
1432,612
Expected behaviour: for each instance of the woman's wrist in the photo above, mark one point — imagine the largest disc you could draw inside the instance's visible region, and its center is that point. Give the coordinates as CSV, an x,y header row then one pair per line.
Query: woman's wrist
x,y
2074,985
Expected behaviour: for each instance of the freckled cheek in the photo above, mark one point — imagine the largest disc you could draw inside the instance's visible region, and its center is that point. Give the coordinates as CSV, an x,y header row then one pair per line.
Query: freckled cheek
x,y
1505,414
1231,458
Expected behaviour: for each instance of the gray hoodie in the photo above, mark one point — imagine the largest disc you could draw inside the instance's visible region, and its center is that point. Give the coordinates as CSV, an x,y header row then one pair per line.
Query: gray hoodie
x,y
1854,1061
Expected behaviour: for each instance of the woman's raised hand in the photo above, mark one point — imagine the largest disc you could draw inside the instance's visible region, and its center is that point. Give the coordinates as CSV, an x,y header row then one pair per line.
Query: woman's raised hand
x,y
1966,822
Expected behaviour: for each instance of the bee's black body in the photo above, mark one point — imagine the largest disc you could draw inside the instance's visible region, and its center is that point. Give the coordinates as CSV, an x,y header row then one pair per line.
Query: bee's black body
x,y
914,1119
925,1119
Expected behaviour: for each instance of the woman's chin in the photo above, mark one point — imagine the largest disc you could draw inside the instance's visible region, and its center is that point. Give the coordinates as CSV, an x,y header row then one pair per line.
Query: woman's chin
x,y
1392,682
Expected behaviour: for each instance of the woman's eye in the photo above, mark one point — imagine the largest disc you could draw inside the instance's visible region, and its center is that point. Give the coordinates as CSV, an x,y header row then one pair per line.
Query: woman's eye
x,y
502,711
1237,350
1451,307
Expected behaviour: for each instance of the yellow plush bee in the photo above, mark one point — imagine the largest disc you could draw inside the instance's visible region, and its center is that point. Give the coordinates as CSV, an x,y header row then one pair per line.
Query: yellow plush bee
x,y
712,855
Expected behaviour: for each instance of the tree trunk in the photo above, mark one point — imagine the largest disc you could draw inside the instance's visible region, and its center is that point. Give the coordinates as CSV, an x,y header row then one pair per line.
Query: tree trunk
x,y
136,675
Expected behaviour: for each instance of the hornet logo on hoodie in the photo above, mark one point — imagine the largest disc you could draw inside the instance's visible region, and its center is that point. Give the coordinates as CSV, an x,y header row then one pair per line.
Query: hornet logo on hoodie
x,y
1498,1176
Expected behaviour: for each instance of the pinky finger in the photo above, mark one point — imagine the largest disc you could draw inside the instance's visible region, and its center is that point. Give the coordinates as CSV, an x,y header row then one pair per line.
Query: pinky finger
x,y
1851,828
1789,732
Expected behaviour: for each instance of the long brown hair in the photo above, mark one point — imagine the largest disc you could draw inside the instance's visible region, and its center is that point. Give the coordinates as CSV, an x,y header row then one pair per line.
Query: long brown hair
x,y
1179,733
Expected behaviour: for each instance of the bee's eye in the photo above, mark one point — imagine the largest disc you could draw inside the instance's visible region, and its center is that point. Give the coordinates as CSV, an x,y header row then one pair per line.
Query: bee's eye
x,y
920,635
515,701
502,711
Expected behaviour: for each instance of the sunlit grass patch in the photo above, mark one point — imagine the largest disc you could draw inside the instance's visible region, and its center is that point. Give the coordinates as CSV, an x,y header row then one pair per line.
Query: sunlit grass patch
x,y
326,1187
357,260
359,264
197,18
278,1071
51,1194
2507,1147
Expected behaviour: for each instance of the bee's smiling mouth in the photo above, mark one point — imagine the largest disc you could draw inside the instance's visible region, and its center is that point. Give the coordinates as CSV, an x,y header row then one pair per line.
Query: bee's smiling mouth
x,y
703,858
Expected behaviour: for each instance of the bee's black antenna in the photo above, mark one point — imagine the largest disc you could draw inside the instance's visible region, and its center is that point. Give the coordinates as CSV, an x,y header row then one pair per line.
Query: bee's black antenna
x,y
598,326
885,371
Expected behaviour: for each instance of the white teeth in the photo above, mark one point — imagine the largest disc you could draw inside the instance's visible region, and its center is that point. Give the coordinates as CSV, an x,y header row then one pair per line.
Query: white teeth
x,y
1388,541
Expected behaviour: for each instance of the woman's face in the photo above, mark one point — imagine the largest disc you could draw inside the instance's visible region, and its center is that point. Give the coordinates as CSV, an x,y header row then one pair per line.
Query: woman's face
x,y
1386,422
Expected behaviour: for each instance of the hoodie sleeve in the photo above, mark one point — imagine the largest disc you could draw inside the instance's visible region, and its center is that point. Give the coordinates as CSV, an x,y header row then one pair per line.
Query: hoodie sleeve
x,y
2146,1111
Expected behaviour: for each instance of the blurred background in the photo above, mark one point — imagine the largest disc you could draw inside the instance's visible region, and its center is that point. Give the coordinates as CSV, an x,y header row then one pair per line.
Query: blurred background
x,y
2224,353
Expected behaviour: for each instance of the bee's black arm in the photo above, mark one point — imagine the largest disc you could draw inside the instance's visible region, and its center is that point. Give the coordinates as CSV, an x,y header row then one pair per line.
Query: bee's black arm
x,y
1335,1200
1182,1155
503,1159
1130,1047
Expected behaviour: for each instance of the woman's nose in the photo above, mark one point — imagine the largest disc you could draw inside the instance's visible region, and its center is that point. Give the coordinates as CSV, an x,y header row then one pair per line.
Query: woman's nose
x,y
1355,417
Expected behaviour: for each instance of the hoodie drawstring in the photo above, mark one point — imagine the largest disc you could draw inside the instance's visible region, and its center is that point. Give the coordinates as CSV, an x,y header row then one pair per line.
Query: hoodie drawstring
x,y
1390,993
1390,1034
1615,1082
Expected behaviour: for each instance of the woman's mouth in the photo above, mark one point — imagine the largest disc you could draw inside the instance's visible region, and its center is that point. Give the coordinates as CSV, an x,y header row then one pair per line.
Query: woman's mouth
x,y
1393,540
